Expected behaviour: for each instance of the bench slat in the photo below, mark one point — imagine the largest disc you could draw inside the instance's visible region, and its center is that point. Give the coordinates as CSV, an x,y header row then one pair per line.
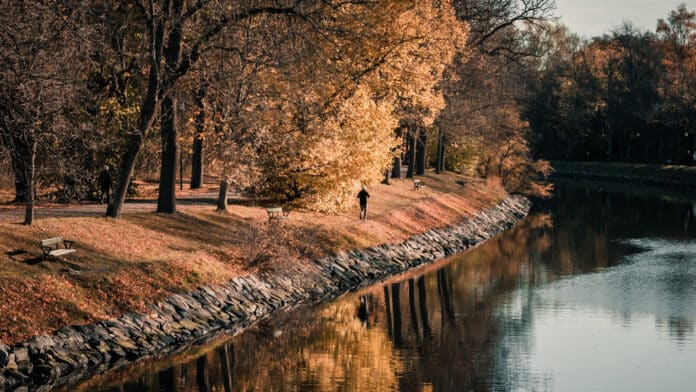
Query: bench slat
x,y
51,241
61,252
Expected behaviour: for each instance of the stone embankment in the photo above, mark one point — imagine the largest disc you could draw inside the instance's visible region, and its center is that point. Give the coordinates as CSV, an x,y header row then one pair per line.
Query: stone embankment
x,y
73,353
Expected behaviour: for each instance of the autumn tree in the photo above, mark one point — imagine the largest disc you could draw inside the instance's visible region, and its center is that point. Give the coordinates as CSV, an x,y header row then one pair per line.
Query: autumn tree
x,y
492,76
177,34
384,67
39,84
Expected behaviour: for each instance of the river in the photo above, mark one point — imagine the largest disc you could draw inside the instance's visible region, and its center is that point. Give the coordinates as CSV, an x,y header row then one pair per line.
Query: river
x,y
594,291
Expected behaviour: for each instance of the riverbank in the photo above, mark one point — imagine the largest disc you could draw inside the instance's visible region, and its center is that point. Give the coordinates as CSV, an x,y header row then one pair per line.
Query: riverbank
x,y
125,265
672,176
74,352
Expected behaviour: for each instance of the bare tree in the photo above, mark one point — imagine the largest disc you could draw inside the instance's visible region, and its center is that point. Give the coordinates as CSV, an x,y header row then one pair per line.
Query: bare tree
x,y
39,80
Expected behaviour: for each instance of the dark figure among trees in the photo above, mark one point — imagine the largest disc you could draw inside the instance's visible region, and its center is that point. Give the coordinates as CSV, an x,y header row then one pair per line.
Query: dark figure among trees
x,y
363,196
105,183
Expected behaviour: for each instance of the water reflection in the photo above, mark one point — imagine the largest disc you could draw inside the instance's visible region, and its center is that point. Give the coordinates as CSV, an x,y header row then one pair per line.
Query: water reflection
x,y
593,292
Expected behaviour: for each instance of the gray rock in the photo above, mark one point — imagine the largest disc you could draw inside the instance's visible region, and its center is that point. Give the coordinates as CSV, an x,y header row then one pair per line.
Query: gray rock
x,y
40,344
4,355
21,354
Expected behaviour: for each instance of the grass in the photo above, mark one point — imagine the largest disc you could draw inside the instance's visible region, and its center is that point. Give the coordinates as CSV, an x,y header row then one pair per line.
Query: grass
x,y
123,265
674,175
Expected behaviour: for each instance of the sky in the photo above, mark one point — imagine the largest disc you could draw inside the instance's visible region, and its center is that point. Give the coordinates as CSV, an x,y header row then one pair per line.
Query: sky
x,y
589,18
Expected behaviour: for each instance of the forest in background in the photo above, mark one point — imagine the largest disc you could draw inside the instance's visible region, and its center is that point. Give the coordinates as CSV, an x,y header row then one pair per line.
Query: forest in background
x,y
296,100
627,96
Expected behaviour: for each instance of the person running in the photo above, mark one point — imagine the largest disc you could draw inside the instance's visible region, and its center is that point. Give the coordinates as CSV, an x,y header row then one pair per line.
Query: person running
x,y
363,196
105,182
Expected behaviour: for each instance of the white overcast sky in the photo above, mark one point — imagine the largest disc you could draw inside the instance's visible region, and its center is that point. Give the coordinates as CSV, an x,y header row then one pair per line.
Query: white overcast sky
x,y
589,18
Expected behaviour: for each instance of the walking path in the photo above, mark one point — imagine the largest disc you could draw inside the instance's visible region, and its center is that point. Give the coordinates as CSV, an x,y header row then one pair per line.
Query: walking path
x,y
207,196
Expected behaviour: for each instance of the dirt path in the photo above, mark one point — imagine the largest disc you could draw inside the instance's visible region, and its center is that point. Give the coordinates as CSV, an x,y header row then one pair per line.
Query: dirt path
x,y
10,213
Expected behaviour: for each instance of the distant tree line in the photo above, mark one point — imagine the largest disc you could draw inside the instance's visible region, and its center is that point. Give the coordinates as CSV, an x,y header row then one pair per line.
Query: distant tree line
x,y
626,96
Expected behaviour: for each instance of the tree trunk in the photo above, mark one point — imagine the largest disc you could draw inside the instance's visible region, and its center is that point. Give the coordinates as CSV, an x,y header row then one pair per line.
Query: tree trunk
x,y
19,151
21,185
222,195
610,143
148,109
396,163
166,201
420,151
385,181
197,157
440,162
29,179
412,140
396,168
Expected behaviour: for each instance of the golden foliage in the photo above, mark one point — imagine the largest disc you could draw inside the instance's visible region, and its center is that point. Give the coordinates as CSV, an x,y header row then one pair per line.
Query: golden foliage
x,y
306,112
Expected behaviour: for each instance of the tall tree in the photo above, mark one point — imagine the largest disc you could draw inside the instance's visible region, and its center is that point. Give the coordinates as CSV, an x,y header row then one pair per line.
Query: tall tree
x,y
178,33
197,158
501,39
39,81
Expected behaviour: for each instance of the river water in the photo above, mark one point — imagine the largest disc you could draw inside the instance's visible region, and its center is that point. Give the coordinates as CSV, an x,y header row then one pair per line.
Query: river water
x,y
594,291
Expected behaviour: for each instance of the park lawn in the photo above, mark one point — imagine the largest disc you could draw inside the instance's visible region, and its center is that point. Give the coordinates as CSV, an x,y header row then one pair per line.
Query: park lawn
x,y
676,175
123,265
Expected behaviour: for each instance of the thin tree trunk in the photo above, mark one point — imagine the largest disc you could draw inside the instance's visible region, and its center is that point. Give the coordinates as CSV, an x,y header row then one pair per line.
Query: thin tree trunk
x,y
420,151
222,195
610,143
440,162
412,140
29,180
166,201
197,157
396,162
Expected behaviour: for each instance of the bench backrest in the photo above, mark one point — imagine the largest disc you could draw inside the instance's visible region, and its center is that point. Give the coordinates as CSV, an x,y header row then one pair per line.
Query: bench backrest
x,y
52,241
277,210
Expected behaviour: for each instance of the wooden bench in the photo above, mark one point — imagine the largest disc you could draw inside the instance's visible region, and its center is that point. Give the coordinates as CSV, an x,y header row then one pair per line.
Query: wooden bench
x,y
418,184
277,213
51,247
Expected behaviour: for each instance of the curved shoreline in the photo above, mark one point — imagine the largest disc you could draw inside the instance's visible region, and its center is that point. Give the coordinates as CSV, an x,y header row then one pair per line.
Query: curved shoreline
x,y
73,353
